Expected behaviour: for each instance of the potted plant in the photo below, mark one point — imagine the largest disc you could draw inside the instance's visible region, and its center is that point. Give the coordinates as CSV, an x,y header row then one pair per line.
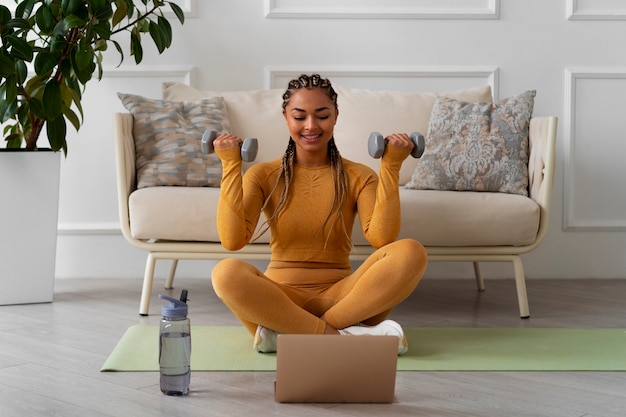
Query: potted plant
x,y
49,51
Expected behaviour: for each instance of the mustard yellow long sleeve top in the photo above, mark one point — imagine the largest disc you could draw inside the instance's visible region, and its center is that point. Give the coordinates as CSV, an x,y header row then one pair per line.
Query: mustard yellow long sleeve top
x,y
298,236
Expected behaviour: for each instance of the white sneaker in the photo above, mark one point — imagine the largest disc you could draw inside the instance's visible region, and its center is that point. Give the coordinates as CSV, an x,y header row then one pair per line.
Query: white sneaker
x,y
264,340
384,328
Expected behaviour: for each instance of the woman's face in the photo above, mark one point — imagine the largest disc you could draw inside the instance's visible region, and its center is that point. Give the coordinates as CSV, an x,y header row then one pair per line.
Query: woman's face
x,y
311,117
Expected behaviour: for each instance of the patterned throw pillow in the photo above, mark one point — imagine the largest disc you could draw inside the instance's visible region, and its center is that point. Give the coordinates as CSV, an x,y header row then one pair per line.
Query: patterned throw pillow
x,y
167,140
477,146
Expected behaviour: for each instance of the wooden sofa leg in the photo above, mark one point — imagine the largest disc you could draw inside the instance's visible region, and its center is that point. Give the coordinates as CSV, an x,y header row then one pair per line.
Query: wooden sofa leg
x,y
146,292
169,283
480,283
520,283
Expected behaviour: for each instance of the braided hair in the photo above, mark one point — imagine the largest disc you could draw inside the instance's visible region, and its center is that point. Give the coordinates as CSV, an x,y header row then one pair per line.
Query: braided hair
x,y
286,171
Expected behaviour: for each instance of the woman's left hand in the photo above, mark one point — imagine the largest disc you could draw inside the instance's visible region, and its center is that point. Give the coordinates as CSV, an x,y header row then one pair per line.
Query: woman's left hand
x,y
401,140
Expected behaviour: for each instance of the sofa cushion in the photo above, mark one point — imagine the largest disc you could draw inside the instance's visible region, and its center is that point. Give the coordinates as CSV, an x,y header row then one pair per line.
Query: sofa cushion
x,y
167,140
256,113
364,111
435,218
176,213
454,218
477,146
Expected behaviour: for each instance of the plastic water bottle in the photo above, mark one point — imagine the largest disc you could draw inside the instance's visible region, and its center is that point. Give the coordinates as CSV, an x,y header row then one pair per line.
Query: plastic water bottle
x,y
175,346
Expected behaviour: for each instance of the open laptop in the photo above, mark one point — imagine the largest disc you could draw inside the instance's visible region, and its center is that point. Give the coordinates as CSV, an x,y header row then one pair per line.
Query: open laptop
x,y
336,369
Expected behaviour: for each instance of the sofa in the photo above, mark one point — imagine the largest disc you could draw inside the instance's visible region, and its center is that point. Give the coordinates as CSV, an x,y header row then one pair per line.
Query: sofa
x,y
480,193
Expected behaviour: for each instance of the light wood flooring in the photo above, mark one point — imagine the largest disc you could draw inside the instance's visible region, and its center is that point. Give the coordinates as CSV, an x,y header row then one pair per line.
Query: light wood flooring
x,y
50,356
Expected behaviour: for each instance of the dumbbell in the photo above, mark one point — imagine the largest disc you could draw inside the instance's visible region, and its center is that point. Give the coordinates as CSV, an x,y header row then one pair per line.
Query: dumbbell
x,y
249,148
377,143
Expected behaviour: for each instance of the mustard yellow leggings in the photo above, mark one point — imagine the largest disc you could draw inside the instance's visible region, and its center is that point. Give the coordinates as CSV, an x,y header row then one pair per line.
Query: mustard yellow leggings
x,y
291,297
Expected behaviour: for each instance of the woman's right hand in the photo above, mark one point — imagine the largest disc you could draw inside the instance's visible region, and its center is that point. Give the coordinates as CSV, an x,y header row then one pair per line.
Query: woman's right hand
x,y
226,140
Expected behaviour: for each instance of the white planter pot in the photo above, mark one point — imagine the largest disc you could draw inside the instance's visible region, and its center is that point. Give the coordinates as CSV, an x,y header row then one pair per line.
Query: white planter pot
x,y
29,186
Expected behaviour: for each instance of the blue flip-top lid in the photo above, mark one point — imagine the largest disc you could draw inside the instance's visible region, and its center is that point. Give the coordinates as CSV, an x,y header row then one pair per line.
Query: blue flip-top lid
x,y
175,308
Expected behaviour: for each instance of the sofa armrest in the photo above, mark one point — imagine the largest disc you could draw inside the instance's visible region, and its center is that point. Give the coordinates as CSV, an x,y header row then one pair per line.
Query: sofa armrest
x,y
541,166
124,166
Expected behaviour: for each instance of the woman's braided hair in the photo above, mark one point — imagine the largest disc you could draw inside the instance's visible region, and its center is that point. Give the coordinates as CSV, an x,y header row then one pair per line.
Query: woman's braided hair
x,y
285,173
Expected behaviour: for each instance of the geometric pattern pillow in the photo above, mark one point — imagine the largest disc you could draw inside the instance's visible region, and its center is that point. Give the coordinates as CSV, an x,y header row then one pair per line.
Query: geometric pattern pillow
x,y
167,140
477,146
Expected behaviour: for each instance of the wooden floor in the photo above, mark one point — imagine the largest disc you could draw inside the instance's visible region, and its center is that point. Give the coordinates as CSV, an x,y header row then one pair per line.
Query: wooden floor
x,y
51,355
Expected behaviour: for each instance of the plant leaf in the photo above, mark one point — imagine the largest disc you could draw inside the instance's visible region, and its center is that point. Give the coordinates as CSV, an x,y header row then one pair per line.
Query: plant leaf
x,y
57,130
20,48
178,12
52,100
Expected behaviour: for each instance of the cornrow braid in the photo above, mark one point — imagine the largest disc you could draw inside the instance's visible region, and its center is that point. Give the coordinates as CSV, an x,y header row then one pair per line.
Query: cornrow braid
x,y
285,174
309,82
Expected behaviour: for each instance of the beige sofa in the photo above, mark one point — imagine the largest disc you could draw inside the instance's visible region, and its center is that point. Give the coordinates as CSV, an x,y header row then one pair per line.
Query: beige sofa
x,y
178,222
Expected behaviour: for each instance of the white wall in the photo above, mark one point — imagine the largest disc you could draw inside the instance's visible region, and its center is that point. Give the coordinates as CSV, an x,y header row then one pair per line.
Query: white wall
x,y
571,52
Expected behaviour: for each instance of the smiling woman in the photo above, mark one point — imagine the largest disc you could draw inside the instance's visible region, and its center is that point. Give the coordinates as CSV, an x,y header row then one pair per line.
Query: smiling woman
x,y
311,198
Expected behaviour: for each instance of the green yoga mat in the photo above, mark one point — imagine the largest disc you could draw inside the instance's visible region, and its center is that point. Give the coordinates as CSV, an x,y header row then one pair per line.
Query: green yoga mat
x,y
225,348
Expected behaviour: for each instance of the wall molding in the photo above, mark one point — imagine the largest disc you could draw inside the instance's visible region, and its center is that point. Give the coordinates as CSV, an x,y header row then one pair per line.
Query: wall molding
x,y
490,74
89,229
570,222
389,9
611,10
186,72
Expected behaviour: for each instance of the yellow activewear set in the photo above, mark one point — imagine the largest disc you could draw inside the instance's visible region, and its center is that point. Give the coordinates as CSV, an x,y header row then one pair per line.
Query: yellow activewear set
x,y
309,274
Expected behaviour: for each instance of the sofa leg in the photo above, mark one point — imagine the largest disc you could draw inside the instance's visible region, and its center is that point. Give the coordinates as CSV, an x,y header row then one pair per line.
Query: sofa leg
x,y
480,283
146,292
169,283
520,283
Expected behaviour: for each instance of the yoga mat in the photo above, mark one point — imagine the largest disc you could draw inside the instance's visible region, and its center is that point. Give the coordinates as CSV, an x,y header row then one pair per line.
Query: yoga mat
x,y
226,348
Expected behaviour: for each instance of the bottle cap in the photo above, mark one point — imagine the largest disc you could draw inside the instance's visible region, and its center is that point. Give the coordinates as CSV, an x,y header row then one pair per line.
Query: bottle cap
x,y
176,308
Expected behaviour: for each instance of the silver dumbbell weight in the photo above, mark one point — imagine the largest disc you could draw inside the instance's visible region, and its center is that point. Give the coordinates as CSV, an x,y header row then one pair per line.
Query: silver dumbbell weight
x,y
249,148
377,143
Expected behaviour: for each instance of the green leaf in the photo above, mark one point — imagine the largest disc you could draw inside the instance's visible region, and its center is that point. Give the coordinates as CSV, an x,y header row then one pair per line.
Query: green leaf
x,y
56,130
166,29
70,6
5,14
18,23
135,47
157,37
25,9
22,71
45,62
20,48
120,12
104,12
120,50
52,100
84,55
72,117
36,107
11,88
44,19
7,64
178,12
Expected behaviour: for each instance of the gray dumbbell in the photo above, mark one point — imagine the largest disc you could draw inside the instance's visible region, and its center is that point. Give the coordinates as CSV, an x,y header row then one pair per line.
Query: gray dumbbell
x,y
249,148
377,143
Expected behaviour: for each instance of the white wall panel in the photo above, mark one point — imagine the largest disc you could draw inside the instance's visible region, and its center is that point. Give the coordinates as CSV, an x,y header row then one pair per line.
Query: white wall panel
x,y
595,193
409,79
392,9
596,9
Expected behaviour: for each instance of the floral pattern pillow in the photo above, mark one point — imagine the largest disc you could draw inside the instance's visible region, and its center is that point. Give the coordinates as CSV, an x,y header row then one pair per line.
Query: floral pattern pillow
x,y
477,146
167,140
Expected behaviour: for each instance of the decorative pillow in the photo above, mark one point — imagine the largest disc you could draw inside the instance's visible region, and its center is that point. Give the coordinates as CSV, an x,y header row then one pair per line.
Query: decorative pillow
x,y
167,140
477,146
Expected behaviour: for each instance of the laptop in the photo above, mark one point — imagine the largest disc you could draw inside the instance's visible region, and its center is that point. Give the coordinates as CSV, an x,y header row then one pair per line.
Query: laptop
x,y
335,369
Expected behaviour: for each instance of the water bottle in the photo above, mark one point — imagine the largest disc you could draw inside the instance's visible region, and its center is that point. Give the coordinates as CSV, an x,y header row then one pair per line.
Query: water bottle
x,y
175,346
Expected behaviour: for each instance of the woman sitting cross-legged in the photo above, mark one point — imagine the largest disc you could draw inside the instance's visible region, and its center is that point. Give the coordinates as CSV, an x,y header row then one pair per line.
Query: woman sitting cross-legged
x,y
310,198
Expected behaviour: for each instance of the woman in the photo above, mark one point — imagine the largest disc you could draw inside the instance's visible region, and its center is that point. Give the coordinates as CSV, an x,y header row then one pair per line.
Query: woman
x,y
310,198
